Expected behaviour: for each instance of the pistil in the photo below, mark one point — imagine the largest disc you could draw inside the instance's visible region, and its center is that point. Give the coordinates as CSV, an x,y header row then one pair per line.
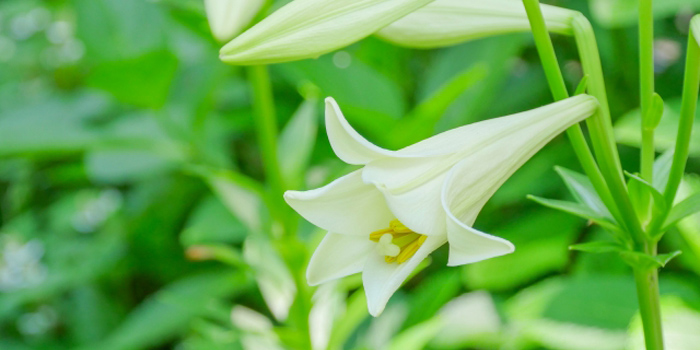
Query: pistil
x,y
397,243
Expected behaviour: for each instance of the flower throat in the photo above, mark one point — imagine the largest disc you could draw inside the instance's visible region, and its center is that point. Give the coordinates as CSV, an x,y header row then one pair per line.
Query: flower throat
x,y
397,242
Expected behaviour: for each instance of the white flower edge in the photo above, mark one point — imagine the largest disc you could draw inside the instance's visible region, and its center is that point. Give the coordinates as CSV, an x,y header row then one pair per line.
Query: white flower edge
x,y
227,18
309,28
449,22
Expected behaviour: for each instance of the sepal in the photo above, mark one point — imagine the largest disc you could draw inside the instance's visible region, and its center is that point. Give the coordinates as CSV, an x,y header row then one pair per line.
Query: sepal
x,y
579,210
685,208
582,189
647,200
646,261
653,117
582,86
598,247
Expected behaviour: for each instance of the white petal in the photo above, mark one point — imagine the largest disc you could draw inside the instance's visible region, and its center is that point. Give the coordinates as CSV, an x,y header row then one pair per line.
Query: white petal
x,y
472,181
338,256
448,22
481,172
381,279
462,200
228,17
418,163
411,179
347,143
346,205
309,28
420,208
469,245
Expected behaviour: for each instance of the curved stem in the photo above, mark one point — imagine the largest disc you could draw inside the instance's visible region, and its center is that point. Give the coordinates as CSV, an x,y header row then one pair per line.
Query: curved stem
x,y
600,126
646,79
691,85
557,85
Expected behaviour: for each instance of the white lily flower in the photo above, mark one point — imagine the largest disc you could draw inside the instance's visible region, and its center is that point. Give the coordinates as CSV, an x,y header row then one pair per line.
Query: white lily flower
x,y
388,216
449,22
309,28
227,18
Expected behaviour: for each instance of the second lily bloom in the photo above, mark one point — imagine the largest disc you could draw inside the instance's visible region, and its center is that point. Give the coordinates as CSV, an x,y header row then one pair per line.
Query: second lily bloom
x,y
388,216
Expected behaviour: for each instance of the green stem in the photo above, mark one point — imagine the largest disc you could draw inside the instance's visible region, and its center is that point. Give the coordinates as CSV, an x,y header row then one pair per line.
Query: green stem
x,y
646,79
648,154
557,85
266,129
266,125
545,48
600,127
691,85
647,280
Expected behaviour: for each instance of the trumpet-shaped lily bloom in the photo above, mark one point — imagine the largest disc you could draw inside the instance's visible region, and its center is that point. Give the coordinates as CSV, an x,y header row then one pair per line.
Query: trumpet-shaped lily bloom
x,y
449,22
227,18
385,218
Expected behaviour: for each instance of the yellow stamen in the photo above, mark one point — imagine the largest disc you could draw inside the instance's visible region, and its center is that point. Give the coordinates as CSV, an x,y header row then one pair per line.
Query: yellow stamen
x,y
410,249
398,227
376,235
402,237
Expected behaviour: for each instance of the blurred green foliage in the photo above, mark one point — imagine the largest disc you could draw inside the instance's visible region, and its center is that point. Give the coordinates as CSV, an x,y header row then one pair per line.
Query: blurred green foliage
x,y
133,213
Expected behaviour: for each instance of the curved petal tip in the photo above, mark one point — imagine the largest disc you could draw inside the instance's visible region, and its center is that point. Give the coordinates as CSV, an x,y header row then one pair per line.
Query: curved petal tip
x,y
469,245
346,142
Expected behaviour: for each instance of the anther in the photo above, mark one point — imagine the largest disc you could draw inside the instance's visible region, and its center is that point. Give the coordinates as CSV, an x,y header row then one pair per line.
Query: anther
x,y
397,243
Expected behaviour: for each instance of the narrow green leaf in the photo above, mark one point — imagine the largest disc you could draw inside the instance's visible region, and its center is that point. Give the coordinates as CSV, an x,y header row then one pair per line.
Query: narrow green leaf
x,y
652,120
598,247
577,210
374,105
296,142
344,327
687,207
642,260
418,336
662,169
420,122
664,259
640,198
211,222
659,200
435,291
582,86
581,187
241,195
169,311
